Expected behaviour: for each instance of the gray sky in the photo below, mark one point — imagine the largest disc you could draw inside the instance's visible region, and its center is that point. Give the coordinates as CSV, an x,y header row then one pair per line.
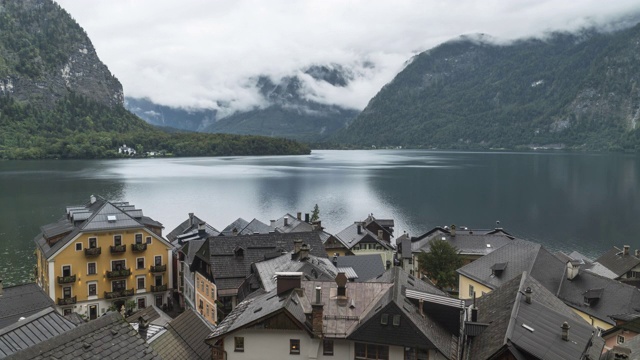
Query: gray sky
x,y
193,53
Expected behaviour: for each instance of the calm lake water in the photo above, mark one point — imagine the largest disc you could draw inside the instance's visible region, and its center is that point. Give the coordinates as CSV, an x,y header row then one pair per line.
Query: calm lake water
x,y
566,201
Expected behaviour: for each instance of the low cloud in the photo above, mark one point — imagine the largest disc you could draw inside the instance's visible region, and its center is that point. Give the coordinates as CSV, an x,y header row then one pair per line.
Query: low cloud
x,y
207,54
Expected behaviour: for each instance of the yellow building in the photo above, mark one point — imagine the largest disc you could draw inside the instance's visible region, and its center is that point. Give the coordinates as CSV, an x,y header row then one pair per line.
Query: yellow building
x,y
101,255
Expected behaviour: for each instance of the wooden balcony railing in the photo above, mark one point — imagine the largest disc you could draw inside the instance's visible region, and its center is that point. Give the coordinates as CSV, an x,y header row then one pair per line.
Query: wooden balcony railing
x,y
66,279
115,274
118,294
158,268
118,249
92,251
159,288
67,301
138,247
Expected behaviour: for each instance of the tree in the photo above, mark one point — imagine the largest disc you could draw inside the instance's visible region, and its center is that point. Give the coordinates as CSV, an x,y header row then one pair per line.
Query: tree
x,y
315,215
440,264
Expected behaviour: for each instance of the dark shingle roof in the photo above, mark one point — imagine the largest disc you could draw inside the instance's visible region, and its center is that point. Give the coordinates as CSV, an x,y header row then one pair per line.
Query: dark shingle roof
x,y
313,267
293,225
468,241
22,301
255,226
533,328
152,314
230,270
189,225
184,338
616,261
108,337
366,266
349,237
34,329
238,225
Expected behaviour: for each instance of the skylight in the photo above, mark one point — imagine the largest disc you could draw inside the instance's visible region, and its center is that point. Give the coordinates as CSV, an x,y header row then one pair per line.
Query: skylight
x,y
111,218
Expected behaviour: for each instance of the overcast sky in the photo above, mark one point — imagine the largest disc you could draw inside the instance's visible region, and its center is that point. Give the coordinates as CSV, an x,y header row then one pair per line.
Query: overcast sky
x,y
195,53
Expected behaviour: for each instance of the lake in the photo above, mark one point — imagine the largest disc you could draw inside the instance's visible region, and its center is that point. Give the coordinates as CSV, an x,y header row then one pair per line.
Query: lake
x,y
566,201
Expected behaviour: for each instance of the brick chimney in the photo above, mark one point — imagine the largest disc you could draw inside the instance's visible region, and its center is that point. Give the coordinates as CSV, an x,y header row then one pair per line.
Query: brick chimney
x,y
625,250
317,313
286,281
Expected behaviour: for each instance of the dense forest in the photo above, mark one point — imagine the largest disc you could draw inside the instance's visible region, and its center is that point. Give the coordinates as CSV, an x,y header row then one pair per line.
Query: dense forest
x,y
575,91
58,101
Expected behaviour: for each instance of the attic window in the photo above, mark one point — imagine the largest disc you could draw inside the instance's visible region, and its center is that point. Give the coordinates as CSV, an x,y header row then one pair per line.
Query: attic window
x,y
238,252
591,296
111,218
384,319
396,320
498,268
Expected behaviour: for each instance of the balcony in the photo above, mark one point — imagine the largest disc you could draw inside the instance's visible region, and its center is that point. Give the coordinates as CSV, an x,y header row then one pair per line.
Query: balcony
x,y
158,268
66,279
118,294
159,288
138,247
117,249
115,274
92,251
67,301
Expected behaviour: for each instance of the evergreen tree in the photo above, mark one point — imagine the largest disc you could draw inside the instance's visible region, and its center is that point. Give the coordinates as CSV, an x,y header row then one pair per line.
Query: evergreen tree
x,y
440,264
315,215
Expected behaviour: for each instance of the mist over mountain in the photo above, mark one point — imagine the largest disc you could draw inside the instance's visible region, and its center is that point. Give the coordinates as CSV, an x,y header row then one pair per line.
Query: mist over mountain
x,y
576,90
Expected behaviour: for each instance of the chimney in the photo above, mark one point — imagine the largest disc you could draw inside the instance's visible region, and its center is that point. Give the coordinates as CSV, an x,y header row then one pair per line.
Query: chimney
x,y
359,229
637,253
286,281
335,260
625,250
92,199
380,236
273,223
299,216
316,313
341,280
453,230
317,225
235,232
572,270
142,323
388,264
565,331
306,217
527,295
297,245
190,219
304,252
286,221
202,231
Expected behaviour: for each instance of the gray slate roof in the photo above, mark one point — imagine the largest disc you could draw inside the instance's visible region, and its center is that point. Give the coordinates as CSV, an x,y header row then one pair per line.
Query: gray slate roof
x,y
507,313
108,337
313,267
293,225
34,329
470,242
190,225
230,270
349,237
519,256
617,262
366,266
184,338
256,226
238,225
22,301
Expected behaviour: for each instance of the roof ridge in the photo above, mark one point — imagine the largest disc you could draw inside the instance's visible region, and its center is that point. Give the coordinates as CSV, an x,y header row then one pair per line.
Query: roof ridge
x,y
515,309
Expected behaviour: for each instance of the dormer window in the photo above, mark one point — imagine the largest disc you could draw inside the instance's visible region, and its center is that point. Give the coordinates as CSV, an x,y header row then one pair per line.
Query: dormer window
x,y
498,268
592,296
238,252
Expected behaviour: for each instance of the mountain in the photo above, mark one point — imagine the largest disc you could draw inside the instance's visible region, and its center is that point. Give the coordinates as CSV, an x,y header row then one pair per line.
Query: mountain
x,y
288,111
58,100
566,90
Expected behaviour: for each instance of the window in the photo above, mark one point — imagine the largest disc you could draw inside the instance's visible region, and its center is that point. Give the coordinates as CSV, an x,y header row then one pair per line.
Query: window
x,y
118,265
370,351
471,290
91,268
206,290
93,243
158,280
620,339
141,283
142,303
66,312
78,246
148,239
238,344
159,300
140,263
93,289
138,238
66,270
411,353
396,320
66,292
158,260
384,319
327,347
118,285
117,240
294,346
207,310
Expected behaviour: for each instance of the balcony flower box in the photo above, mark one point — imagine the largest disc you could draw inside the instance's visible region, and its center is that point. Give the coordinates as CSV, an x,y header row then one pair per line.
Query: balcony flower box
x,y
66,279
67,301
158,268
92,251
118,249
138,247
115,274
159,288
118,294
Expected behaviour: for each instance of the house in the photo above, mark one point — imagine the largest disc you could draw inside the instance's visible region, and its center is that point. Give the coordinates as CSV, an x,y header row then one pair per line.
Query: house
x,y
629,350
289,224
523,320
125,150
108,337
149,321
470,243
593,297
32,330
621,333
244,227
312,319
75,272
192,225
364,267
21,301
222,263
586,264
622,262
357,239
184,337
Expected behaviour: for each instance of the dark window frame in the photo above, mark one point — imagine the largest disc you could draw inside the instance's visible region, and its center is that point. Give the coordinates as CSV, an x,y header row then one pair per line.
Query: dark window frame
x,y
327,347
294,346
238,343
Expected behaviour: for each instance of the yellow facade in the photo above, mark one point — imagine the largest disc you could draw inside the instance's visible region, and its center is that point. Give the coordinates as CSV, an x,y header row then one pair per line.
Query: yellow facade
x,y
466,287
90,278
595,322
206,296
